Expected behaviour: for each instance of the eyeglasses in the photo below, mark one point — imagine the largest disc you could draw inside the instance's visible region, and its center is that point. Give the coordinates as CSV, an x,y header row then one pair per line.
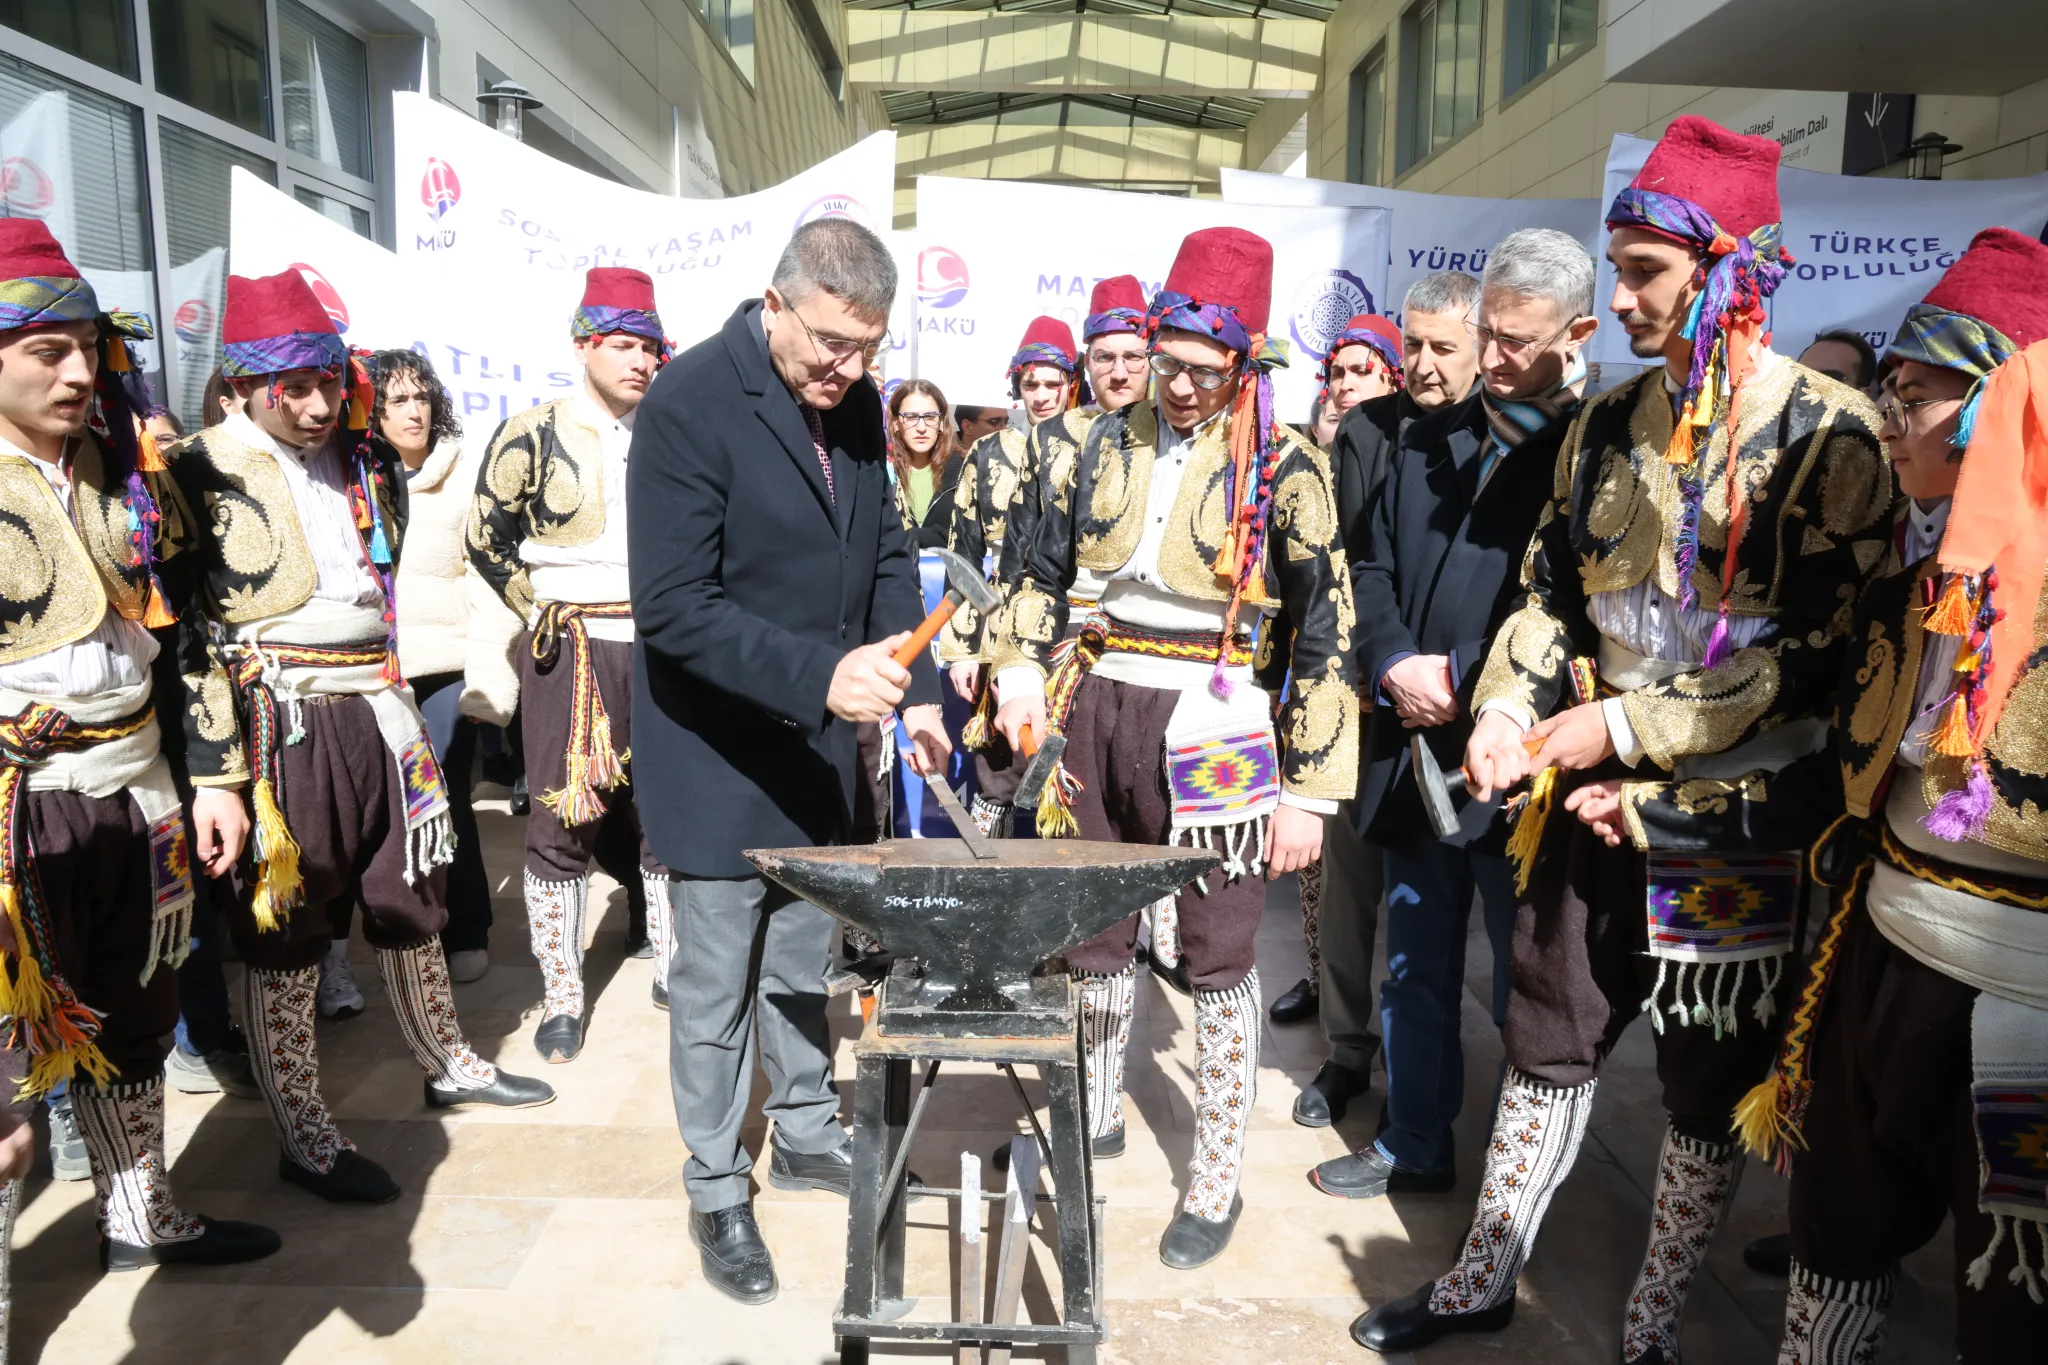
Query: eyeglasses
x,y
839,348
919,419
1133,361
1512,348
1893,409
1166,367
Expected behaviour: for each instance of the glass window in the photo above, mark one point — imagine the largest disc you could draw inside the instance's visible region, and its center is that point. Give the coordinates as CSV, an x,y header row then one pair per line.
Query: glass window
x,y
73,158
196,220
326,90
350,216
732,23
211,55
1368,119
1439,76
1545,33
101,31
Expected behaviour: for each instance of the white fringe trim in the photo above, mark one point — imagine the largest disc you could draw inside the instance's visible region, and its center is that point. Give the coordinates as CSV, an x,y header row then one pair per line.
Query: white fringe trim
x,y
1713,988
429,845
1245,837
2022,1273
170,940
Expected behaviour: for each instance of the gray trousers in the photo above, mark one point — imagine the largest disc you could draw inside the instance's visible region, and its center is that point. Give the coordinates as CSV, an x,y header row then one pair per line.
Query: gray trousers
x,y
749,964
1353,878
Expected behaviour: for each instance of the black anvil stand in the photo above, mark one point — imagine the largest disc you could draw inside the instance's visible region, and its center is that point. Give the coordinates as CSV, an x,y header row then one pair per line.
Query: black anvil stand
x,y
969,933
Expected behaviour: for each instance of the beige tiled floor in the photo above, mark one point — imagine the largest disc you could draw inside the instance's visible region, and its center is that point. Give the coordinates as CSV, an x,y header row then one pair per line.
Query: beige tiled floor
x,y
560,1234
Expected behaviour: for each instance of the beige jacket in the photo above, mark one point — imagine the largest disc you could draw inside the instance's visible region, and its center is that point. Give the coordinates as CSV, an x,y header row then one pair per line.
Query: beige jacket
x,y
449,620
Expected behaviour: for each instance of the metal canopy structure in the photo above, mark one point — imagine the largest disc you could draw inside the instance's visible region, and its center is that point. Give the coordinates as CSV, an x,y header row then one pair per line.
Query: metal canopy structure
x,y
1221,9
909,107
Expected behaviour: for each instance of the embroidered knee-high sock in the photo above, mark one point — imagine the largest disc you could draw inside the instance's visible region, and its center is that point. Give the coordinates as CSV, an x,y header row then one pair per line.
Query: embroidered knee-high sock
x,y
124,1137
277,1010
1695,1182
1537,1130
10,1203
1226,1082
1833,1322
661,921
416,979
1107,1004
992,818
554,923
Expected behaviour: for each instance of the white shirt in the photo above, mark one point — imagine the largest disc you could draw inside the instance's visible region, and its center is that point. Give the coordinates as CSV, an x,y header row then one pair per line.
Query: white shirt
x,y
317,478
596,571
117,654
1938,652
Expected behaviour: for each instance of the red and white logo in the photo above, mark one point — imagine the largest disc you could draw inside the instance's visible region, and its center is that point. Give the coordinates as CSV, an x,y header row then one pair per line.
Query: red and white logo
x,y
329,296
26,188
440,188
941,277
193,322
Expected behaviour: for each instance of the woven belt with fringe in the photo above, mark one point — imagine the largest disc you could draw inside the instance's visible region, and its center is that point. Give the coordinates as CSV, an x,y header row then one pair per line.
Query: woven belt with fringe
x,y
279,888
1072,660
1770,1117
45,1018
590,765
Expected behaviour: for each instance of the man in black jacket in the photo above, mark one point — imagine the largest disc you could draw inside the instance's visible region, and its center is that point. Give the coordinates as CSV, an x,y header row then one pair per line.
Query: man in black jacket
x,y
1462,494
771,581
1439,364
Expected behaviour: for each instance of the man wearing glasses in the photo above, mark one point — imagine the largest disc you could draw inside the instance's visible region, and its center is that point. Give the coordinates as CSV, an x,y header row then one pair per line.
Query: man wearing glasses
x,y
1191,519
1042,379
548,532
772,580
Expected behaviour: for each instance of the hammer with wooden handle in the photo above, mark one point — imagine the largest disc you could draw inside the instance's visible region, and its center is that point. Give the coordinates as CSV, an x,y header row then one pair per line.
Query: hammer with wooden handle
x,y
964,583
1040,762
1436,786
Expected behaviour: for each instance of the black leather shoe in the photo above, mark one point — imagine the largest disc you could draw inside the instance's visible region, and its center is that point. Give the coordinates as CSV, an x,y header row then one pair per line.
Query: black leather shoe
x,y
224,1242
736,1260
1105,1148
1175,976
559,1039
1190,1241
1770,1255
1408,1325
1368,1175
638,945
1299,1005
660,992
1323,1100
521,801
830,1171
353,1179
507,1092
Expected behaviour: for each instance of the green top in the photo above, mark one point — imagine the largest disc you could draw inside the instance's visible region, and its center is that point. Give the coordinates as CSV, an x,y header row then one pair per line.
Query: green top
x,y
920,486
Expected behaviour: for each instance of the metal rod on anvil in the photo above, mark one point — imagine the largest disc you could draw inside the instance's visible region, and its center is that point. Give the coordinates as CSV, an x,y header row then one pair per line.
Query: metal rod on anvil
x,y
963,823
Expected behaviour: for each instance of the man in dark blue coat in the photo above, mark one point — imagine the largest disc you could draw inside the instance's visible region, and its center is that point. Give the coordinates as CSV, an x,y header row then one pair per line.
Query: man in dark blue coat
x,y
771,581
1445,542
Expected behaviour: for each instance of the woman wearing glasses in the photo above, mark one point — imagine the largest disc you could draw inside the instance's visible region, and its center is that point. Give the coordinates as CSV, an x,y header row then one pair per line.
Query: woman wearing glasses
x,y
923,463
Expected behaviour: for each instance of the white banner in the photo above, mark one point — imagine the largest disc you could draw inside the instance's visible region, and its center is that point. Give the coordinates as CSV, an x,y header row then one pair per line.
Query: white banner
x,y
1864,249
997,253
1429,232
35,167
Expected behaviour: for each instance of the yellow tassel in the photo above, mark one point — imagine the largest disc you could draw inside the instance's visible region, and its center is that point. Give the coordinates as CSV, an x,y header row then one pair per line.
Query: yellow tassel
x,y
26,995
1951,615
156,614
1056,807
278,885
1680,449
1953,738
1527,839
117,356
1760,1123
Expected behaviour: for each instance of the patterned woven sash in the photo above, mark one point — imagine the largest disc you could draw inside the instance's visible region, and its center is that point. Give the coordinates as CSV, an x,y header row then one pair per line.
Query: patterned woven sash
x,y
45,1018
1710,917
591,765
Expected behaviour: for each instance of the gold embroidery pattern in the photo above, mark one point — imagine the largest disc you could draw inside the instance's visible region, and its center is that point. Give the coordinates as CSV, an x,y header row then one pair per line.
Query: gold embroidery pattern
x,y
1119,457
50,594
1868,760
2016,759
265,561
1322,738
212,705
1530,646
1702,711
102,522
1200,515
1879,681
1854,486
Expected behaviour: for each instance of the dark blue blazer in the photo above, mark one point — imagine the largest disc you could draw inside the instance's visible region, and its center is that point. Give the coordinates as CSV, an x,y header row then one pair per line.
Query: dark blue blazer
x,y
749,585
1441,571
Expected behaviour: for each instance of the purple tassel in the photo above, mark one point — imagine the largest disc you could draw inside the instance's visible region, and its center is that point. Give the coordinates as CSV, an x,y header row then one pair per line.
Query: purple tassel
x,y
1220,685
1717,643
1961,814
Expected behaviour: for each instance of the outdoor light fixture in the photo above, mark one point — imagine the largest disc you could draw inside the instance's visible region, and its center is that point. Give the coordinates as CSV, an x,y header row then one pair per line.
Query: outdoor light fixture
x,y
1927,151
508,102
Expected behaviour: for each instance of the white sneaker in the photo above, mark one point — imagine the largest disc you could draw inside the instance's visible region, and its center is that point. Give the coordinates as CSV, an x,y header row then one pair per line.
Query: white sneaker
x,y
468,965
340,997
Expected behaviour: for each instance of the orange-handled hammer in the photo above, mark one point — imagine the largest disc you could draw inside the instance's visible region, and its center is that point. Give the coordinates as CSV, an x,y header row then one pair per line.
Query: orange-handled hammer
x,y
964,583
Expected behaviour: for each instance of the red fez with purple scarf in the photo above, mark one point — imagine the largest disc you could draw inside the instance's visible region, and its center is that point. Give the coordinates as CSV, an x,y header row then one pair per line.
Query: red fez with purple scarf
x,y
1116,305
1370,330
619,299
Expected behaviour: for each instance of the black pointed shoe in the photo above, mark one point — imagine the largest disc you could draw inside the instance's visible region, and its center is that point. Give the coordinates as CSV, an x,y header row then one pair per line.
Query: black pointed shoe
x,y
1368,1175
736,1260
1108,1147
1408,1325
1298,1005
1175,976
1191,1241
559,1038
638,944
1323,1100
352,1179
507,1092
1770,1255
660,993
223,1242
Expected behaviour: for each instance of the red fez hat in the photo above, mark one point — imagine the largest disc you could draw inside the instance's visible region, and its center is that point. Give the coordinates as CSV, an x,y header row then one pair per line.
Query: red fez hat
x,y
2002,279
1732,176
1386,331
28,251
1050,333
271,306
1229,267
1118,291
612,286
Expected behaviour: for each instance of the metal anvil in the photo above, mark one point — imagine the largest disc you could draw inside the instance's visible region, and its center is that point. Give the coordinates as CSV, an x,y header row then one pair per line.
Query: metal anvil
x,y
978,928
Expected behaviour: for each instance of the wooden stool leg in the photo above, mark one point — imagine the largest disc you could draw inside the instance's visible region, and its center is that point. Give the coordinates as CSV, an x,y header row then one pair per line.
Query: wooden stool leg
x,y
1016,1249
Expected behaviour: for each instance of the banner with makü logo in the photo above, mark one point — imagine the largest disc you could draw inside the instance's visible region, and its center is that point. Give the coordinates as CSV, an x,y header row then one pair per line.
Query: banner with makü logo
x,y
997,253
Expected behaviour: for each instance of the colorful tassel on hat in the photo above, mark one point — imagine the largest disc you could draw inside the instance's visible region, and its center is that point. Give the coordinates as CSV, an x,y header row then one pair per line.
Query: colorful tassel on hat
x,y
1953,613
